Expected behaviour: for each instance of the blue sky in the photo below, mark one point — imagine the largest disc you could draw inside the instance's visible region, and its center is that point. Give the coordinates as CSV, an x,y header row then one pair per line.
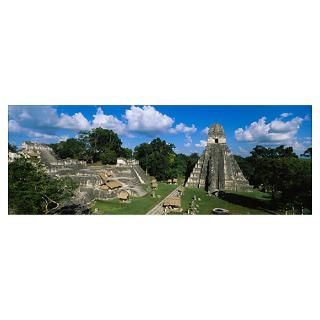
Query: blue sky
x,y
184,126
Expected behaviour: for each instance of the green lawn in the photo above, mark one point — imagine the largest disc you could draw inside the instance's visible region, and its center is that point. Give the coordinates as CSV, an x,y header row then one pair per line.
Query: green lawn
x,y
208,203
255,194
137,205
238,202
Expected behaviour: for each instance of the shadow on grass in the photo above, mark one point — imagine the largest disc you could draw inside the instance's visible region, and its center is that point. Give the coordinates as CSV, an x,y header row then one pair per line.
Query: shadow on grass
x,y
249,202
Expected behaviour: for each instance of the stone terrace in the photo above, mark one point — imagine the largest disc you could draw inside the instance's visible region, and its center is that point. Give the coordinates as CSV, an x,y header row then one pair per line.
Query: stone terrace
x,y
132,178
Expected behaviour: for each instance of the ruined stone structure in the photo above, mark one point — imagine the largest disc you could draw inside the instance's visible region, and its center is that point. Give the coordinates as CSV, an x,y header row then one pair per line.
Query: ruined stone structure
x,y
127,162
47,155
34,146
217,170
95,182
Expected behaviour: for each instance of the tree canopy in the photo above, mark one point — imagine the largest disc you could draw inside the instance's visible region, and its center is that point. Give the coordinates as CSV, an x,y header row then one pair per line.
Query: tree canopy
x,y
33,191
157,157
96,145
280,171
307,153
126,153
100,140
108,156
71,148
159,160
12,147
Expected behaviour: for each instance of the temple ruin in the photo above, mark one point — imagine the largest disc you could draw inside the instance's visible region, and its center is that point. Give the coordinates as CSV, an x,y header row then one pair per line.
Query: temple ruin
x,y
217,170
95,182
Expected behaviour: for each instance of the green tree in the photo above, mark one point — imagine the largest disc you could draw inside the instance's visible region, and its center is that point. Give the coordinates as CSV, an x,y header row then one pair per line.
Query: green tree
x,y
125,153
108,157
259,152
245,167
12,148
33,191
142,153
98,140
183,165
157,158
295,181
307,153
180,165
264,165
91,145
83,137
192,161
71,148
280,171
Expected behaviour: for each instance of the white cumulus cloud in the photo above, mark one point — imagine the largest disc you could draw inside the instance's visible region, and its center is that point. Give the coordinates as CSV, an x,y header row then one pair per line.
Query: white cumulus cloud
x,y
74,122
201,144
276,131
41,123
205,130
288,126
182,128
147,120
285,114
100,119
188,141
44,117
44,137
46,121
14,126
47,118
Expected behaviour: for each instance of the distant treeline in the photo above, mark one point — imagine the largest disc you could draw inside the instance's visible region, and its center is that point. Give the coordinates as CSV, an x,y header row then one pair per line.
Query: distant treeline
x,y
281,172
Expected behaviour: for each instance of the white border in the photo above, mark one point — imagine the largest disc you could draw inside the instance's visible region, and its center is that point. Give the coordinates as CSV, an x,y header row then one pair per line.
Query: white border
x,y
152,52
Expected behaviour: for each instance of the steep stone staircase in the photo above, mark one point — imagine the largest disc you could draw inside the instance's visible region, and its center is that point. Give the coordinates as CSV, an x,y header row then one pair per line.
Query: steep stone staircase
x,y
142,174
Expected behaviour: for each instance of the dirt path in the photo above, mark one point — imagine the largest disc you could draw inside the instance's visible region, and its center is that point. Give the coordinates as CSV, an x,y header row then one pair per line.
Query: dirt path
x,y
158,209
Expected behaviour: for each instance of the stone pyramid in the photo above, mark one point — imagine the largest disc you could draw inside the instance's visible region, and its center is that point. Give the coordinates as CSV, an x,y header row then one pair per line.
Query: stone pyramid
x,y
217,170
